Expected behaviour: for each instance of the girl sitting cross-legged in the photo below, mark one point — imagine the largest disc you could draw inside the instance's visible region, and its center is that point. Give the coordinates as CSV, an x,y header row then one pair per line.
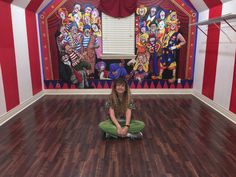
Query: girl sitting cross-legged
x,y
119,105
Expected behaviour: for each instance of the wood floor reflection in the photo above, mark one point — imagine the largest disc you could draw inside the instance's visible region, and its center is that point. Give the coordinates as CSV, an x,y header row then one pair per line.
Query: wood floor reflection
x,y
58,136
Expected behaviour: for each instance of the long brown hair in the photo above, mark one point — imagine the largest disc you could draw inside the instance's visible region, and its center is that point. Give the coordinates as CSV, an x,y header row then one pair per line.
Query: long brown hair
x,y
126,95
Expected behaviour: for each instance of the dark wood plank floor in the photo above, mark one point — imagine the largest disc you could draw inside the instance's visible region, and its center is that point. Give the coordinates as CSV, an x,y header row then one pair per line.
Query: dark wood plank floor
x,y
58,136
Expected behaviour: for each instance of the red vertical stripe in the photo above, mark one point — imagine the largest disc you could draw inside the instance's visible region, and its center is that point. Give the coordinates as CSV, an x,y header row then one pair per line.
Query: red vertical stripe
x,y
8,1
34,5
212,3
232,106
212,47
7,57
31,26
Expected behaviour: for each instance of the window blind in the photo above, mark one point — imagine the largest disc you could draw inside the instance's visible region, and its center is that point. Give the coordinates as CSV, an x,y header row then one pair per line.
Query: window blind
x,y
118,36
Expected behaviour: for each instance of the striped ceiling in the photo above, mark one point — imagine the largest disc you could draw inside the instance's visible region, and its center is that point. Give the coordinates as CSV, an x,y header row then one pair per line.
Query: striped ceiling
x,y
200,5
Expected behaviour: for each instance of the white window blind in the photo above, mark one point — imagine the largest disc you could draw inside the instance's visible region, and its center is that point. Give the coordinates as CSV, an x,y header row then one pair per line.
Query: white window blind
x,y
118,36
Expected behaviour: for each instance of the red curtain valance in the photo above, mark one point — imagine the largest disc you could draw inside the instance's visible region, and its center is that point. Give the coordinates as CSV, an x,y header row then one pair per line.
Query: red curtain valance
x,y
118,8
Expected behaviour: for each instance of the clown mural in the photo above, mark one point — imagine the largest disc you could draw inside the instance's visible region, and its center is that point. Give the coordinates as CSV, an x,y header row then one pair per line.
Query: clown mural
x,y
79,42
157,40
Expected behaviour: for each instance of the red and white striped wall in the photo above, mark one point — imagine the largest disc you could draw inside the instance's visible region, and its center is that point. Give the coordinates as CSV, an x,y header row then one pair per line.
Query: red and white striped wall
x,y
215,56
2,96
20,74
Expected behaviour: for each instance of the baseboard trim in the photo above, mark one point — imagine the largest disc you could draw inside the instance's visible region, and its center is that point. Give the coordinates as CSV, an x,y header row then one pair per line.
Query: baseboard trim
x,y
10,114
223,111
77,91
108,91
160,91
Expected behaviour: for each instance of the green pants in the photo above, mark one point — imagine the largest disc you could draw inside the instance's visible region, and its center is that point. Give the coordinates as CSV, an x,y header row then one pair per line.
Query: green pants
x,y
108,127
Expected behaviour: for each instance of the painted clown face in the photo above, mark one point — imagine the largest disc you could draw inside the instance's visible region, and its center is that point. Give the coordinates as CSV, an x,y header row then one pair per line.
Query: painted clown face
x,y
95,28
141,58
153,27
65,58
161,25
68,49
162,15
153,11
62,15
102,68
88,10
173,26
95,13
142,40
143,29
173,16
152,40
77,8
142,11
74,29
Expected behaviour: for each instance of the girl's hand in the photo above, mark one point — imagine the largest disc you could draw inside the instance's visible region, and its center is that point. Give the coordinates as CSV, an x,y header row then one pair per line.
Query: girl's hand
x,y
119,131
125,131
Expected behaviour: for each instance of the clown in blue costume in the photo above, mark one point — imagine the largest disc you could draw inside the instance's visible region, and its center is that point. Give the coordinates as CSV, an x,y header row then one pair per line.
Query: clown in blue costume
x,y
172,41
117,70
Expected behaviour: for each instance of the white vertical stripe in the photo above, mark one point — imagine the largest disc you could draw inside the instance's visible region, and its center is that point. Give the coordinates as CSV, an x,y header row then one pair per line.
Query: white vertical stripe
x,y
40,49
199,5
22,54
226,57
21,3
200,53
3,108
229,7
224,1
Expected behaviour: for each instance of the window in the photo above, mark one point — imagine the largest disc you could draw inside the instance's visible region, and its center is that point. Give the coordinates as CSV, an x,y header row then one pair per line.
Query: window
x,y
118,37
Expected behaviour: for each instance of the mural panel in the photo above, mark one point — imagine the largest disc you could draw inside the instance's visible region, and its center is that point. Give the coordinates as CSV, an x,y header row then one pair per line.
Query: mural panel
x,y
164,47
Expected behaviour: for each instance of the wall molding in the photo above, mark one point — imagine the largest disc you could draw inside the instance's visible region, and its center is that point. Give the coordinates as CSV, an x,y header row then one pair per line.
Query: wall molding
x,y
223,111
108,91
10,114
220,109
77,91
